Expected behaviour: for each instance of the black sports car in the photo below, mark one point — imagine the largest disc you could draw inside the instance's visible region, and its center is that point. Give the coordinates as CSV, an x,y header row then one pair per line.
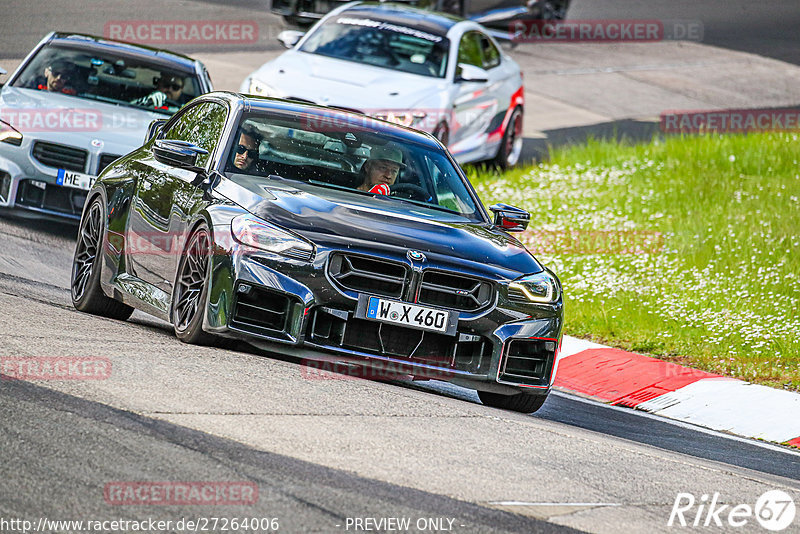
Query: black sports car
x,y
325,235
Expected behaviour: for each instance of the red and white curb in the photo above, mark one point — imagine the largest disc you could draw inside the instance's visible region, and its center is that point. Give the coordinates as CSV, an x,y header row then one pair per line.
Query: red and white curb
x,y
725,404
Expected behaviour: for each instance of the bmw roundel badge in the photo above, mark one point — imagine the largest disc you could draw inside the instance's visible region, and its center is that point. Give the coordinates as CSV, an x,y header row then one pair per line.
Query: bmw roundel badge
x,y
415,255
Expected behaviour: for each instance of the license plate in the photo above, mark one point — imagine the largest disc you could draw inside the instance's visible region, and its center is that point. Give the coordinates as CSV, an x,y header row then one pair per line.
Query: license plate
x,y
74,179
411,315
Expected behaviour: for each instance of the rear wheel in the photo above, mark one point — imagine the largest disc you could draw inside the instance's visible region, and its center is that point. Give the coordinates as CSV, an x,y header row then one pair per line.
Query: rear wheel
x,y
191,290
521,402
511,146
87,295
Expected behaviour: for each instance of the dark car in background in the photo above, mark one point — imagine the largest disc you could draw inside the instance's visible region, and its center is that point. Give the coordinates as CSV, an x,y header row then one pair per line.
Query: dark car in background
x,y
75,104
495,14
250,218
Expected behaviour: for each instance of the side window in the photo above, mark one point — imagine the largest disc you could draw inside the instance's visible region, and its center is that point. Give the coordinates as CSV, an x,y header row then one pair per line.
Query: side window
x,y
469,50
491,55
202,125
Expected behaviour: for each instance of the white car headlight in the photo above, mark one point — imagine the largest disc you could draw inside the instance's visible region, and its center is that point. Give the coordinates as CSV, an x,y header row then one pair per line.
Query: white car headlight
x,y
539,287
251,231
260,88
9,134
403,118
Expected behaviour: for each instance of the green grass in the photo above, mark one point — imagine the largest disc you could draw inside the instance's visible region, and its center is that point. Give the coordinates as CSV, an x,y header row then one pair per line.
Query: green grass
x,y
723,292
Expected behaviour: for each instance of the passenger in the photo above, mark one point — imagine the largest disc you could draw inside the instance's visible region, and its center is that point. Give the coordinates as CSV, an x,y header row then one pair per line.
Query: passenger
x,y
58,76
169,88
380,171
245,155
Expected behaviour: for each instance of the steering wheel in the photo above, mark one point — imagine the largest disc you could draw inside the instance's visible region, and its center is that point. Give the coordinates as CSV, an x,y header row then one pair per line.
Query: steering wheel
x,y
411,192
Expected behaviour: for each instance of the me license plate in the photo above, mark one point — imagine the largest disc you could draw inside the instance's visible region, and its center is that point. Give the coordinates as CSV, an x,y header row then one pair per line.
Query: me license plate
x,y
74,179
411,315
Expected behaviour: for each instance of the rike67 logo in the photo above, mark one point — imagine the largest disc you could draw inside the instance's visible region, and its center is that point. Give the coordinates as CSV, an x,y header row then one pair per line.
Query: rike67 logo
x,y
774,510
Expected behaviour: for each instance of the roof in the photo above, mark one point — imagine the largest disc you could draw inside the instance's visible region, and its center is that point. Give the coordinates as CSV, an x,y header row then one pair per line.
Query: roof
x,y
94,42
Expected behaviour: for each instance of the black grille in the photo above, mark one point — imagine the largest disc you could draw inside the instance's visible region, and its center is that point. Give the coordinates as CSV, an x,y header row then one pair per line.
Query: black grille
x,y
260,310
60,156
105,161
528,359
66,200
454,291
333,329
368,275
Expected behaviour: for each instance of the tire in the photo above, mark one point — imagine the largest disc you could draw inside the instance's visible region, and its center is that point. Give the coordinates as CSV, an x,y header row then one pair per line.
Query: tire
x,y
191,290
521,402
511,146
87,295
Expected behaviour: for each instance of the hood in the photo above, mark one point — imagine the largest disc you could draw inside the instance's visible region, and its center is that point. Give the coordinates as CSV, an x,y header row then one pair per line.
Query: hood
x,y
342,220
347,84
85,123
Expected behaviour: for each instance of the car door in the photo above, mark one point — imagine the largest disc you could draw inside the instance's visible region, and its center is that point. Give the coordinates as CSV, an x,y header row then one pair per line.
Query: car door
x,y
165,196
476,103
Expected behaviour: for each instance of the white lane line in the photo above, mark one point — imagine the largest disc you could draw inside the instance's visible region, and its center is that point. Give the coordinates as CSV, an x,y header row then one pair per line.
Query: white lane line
x,y
681,424
523,503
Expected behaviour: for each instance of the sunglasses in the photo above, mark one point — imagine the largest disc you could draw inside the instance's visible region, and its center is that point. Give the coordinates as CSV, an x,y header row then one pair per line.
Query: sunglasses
x,y
173,86
251,152
61,73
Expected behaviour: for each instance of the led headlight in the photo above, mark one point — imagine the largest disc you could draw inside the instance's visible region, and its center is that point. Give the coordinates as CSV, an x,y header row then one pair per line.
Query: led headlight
x,y
403,118
8,134
539,287
251,231
259,88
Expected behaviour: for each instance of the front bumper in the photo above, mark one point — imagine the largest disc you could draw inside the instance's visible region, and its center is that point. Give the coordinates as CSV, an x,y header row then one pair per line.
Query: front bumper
x,y
296,308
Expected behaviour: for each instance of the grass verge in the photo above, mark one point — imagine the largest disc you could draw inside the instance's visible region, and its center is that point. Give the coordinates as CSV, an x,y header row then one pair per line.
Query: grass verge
x,y
687,248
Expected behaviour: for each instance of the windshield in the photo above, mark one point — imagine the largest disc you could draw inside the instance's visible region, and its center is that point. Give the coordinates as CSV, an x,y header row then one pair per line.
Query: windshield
x,y
108,77
347,153
382,44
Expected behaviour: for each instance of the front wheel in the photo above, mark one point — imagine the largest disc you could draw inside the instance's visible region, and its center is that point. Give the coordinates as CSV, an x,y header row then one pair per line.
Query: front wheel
x,y
511,146
87,295
191,290
521,402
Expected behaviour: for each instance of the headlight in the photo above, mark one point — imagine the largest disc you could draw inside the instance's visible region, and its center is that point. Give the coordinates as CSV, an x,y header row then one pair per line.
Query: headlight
x,y
252,231
8,134
539,287
403,118
261,89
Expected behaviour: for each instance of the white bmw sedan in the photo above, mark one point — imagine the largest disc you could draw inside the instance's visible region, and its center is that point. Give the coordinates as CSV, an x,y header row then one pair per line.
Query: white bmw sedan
x,y
432,72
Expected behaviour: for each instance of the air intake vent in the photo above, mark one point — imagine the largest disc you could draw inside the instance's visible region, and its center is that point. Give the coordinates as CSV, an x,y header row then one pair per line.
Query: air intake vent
x,y
105,161
528,359
449,290
260,309
60,156
363,274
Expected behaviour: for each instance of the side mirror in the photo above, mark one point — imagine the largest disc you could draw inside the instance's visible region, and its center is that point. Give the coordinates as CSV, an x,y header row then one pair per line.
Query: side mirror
x,y
3,72
181,154
471,73
154,129
289,38
510,218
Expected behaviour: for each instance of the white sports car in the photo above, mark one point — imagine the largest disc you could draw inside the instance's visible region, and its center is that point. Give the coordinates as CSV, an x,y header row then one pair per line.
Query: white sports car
x,y
432,72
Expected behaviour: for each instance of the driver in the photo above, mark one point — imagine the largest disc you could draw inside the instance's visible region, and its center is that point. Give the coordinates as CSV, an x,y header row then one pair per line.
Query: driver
x,y
245,154
380,171
58,76
168,87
